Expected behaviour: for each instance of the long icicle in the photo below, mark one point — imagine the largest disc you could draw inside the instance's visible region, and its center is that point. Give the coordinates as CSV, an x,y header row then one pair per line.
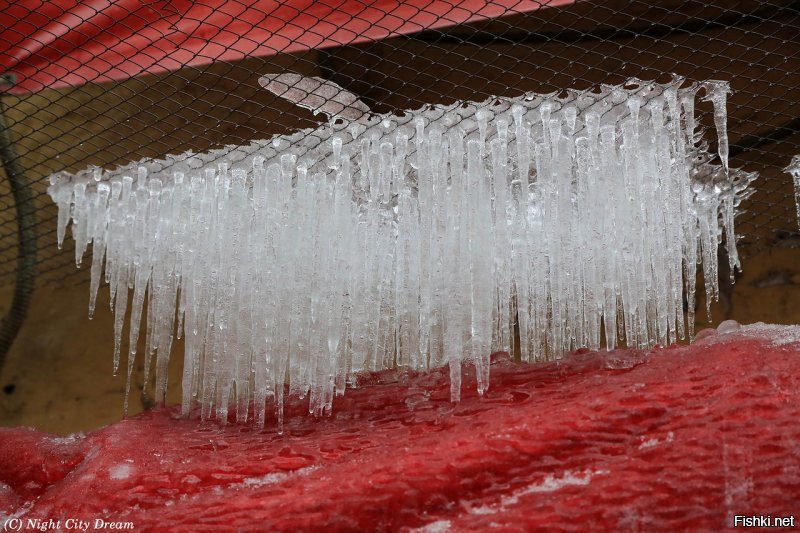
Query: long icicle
x,y
415,240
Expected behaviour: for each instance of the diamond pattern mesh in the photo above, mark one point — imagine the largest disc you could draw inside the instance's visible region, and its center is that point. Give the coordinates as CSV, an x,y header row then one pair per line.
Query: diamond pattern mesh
x,y
753,44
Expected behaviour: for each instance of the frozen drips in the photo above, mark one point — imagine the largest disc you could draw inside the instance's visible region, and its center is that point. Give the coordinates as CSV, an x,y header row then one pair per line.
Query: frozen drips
x,y
717,93
794,170
534,225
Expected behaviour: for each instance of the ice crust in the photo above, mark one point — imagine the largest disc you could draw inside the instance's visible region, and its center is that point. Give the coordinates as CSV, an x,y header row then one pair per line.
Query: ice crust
x,y
533,225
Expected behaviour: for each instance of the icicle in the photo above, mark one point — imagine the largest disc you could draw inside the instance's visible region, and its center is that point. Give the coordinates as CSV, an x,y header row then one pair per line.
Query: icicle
x,y
717,93
794,170
417,240
98,231
62,196
80,221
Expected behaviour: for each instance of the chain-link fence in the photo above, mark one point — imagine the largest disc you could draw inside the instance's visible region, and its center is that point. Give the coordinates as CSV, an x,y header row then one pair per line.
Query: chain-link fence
x,y
447,55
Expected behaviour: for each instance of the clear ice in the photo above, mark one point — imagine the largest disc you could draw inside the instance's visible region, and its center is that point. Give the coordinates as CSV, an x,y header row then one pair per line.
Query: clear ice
x,y
794,170
535,225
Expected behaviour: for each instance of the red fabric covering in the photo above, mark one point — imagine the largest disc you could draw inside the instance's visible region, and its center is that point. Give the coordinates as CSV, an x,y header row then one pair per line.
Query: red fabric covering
x,y
72,42
667,439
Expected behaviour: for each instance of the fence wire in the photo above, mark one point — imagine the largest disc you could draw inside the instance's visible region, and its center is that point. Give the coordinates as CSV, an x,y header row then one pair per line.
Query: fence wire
x,y
753,44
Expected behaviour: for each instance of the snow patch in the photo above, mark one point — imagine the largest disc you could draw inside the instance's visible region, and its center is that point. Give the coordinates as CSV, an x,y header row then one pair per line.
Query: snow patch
x,y
775,334
652,442
69,439
549,484
440,526
121,471
552,484
272,478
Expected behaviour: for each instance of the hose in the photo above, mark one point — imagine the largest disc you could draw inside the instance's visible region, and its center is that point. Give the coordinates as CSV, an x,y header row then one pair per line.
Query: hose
x,y
26,234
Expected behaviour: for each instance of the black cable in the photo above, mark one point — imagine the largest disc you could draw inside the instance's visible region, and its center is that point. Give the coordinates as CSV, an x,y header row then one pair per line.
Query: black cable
x,y
26,234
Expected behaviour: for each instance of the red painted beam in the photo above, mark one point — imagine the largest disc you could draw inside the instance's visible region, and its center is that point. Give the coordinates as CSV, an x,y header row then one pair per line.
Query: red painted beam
x,y
682,438
71,42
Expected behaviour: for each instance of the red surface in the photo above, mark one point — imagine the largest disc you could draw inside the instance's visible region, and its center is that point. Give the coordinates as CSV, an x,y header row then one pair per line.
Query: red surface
x,y
677,438
72,42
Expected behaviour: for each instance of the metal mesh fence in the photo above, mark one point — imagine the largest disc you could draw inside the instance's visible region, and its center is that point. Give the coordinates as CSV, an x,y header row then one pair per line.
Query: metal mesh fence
x,y
753,44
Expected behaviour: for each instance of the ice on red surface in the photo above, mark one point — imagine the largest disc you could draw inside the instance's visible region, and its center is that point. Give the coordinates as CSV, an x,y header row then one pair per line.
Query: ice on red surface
x,y
416,239
680,437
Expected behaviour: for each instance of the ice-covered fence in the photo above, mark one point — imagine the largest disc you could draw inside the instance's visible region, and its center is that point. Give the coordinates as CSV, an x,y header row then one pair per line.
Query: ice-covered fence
x,y
418,239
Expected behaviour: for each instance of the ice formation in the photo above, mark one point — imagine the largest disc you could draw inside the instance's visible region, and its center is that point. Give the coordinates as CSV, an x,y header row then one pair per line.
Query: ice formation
x,y
794,170
536,225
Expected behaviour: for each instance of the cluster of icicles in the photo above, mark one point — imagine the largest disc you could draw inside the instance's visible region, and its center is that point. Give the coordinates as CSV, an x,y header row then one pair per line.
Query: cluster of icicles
x,y
535,225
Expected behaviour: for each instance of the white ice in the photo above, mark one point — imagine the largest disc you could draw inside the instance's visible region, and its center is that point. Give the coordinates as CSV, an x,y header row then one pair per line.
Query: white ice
x,y
535,225
794,170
